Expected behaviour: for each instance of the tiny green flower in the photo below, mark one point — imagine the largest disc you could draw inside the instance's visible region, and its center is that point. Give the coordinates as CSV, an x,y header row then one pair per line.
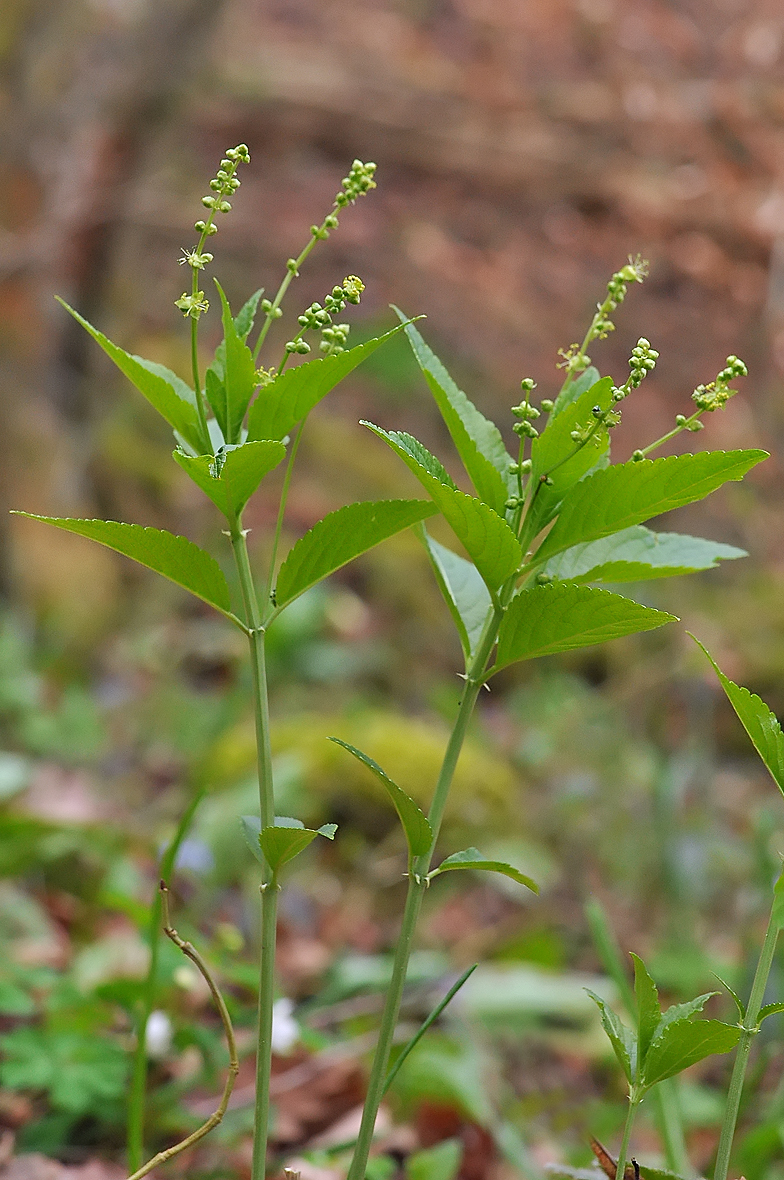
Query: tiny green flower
x,y
193,305
194,259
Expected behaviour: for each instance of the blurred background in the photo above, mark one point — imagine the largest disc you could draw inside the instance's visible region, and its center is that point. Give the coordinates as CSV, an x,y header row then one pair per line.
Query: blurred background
x,y
524,149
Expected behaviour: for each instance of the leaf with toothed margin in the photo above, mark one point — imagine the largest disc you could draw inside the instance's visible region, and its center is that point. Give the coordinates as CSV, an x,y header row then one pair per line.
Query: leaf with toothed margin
x,y
238,378
638,554
488,540
684,1043
282,841
477,439
419,834
648,1007
463,589
562,616
289,398
231,477
340,537
631,493
574,390
761,723
169,394
176,558
556,455
621,1038
472,858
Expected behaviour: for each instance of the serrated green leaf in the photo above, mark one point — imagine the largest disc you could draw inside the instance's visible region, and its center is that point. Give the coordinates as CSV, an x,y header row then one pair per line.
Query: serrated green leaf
x,y
574,389
679,1012
684,1043
637,554
340,537
488,540
284,840
244,319
231,478
555,444
555,454
478,440
621,1038
561,616
291,396
239,376
631,493
169,394
176,558
414,454
215,392
760,723
648,1007
769,1010
419,834
472,858
214,377
463,589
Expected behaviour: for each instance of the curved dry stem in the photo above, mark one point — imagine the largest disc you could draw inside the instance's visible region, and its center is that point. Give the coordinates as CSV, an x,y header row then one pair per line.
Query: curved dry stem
x,y
188,949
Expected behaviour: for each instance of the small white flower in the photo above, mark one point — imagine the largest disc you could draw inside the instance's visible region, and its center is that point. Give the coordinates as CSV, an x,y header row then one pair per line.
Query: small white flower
x,y
158,1035
285,1030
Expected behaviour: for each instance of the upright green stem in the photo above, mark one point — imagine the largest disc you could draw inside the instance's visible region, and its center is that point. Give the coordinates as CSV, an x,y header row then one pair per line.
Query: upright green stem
x,y
417,883
284,495
623,1154
203,428
750,1029
269,887
137,1094
378,1072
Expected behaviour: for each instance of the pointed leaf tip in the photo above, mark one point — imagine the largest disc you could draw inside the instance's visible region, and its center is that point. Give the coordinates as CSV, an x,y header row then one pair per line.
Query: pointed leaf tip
x,y
761,723
489,541
628,494
419,834
287,837
175,557
563,616
472,858
164,390
340,537
291,396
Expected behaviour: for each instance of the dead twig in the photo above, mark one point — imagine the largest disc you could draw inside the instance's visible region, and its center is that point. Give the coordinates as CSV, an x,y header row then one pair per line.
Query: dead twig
x,y
188,949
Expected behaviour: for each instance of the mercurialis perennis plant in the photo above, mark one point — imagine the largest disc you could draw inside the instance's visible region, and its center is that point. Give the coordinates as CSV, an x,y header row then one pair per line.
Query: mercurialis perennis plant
x,y
538,531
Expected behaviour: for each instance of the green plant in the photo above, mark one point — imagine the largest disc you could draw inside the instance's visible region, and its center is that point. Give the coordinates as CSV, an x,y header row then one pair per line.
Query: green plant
x,y
662,1045
766,735
539,531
